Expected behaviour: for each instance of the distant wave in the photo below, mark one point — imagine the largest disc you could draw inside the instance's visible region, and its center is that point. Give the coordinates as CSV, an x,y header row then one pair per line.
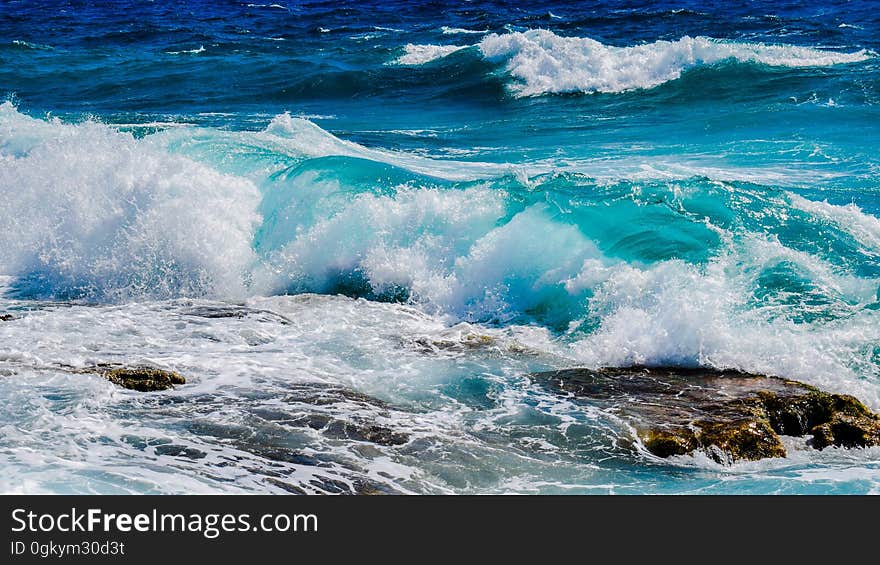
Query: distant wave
x,y
457,30
200,49
31,45
545,63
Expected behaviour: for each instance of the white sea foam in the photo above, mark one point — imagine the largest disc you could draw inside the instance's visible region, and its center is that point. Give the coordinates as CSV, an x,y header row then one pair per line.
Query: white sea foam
x,y
118,218
421,54
90,210
674,313
545,63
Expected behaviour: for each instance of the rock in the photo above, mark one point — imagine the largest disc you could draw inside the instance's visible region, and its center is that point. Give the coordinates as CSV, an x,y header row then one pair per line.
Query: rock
x,y
143,379
381,435
180,451
6,317
467,341
341,422
216,311
728,415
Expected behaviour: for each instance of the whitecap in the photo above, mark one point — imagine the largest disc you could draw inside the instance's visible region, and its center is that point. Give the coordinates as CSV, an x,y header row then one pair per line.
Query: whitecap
x,y
200,49
421,54
458,30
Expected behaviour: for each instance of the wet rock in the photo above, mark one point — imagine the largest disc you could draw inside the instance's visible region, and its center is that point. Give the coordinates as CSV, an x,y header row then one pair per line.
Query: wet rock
x,y
322,394
321,484
465,342
728,415
180,451
235,311
341,429
143,379
347,428
288,487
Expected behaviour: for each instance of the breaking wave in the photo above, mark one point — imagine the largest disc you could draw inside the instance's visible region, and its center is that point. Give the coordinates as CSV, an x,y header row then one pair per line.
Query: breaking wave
x,y
684,271
543,62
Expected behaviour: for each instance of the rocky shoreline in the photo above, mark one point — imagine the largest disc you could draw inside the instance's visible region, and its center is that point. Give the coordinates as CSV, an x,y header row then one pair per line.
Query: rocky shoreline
x,y
728,415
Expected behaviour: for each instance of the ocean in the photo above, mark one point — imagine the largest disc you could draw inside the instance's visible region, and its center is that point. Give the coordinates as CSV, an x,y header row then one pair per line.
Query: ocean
x,y
356,228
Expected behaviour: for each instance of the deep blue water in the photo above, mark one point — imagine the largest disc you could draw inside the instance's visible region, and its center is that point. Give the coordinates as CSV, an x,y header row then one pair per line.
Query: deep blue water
x,y
601,183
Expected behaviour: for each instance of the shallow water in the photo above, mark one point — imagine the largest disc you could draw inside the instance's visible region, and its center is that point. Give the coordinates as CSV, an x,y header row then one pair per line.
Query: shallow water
x,y
356,230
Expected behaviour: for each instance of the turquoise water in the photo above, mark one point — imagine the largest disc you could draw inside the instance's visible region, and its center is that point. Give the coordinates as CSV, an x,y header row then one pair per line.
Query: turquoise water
x,y
424,204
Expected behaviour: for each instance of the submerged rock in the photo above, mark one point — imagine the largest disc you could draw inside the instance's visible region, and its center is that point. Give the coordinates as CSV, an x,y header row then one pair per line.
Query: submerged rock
x,y
142,379
339,413
728,415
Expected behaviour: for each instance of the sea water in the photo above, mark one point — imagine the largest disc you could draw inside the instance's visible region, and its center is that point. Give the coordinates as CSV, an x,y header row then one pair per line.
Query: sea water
x,y
330,216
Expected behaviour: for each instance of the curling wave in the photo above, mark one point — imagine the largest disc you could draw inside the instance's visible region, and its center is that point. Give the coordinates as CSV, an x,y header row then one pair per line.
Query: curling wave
x,y
683,271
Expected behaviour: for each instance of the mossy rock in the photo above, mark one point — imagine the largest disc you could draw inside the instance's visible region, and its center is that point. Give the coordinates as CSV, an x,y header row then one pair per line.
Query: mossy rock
x,y
666,442
728,415
143,379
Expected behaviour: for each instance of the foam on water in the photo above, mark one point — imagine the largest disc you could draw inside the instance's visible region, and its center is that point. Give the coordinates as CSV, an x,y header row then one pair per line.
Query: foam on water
x,y
457,390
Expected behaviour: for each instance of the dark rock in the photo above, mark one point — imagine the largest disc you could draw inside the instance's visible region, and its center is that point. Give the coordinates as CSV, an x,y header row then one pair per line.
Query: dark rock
x,y
327,485
143,379
291,488
335,428
468,341
341,429
726,414
320,394
180,451
233,311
